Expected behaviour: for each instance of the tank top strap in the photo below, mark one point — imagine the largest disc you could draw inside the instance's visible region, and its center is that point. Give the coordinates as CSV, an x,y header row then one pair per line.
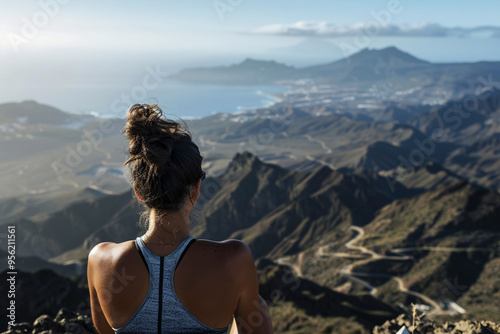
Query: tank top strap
x,y
172,259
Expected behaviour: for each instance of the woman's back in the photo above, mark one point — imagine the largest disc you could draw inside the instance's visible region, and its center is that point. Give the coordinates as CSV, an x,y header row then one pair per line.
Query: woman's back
x,y
155,293
207,283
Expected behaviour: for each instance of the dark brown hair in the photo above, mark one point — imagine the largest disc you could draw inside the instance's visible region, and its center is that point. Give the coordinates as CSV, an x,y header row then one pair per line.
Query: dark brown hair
x,y
164,160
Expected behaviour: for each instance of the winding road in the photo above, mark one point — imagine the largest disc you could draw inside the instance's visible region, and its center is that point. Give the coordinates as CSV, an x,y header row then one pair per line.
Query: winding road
x,y
322,143
327,151
367,255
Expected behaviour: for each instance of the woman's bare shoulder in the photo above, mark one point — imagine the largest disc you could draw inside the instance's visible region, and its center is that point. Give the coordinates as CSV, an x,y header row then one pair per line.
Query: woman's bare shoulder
x,y
231,246
232,252
109,251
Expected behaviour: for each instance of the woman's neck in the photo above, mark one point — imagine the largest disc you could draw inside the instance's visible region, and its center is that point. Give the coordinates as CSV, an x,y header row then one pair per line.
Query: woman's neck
x,y
171,228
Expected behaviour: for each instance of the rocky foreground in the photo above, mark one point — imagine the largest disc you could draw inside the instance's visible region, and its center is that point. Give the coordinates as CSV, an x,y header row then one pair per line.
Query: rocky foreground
x,y
424,327
70,322
64,322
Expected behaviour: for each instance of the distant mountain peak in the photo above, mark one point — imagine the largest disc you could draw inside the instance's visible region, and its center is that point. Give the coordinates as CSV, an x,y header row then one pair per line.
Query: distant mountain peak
x,y
258,61
250,63
33,112
391,49
244,158
249,71
386,54
30,102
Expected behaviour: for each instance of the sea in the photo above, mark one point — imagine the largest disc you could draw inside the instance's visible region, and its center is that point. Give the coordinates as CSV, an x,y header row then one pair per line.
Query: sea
x,y
199,100
190,100
185,100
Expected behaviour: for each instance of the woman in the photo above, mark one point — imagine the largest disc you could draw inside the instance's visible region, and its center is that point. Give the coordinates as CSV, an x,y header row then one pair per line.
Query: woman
x,y
166,281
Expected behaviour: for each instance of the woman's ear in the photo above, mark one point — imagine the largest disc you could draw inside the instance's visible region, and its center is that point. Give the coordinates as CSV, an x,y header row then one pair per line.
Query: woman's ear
x,y
195,191
137,194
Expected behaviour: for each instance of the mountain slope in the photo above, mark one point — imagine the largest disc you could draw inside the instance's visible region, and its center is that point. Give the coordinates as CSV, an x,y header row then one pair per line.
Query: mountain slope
x,y
423,177
460,123
274,210
249,71
33,205
33,113
367,65
63,230
451,234
298,303
478,162
277,211
457,215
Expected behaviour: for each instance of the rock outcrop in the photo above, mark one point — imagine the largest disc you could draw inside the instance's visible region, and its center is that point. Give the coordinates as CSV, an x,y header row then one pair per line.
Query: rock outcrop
x,y
64,322
425,327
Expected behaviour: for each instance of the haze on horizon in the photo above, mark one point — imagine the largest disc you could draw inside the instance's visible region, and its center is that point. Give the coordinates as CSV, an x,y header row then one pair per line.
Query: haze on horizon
x,y
62,52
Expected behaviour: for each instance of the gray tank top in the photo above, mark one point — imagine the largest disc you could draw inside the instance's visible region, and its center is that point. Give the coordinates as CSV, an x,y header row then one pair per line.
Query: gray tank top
x,y
162,311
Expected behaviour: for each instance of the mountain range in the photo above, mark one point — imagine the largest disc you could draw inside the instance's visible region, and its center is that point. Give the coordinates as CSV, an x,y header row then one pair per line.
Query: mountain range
x,y
372,185
284,215
365,66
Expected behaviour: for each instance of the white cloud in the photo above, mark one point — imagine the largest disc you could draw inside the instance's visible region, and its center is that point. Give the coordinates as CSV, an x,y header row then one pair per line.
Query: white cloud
x,y
326,29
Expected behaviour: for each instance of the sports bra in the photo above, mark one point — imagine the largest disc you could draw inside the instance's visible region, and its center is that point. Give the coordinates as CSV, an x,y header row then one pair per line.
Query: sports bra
x,y
162,311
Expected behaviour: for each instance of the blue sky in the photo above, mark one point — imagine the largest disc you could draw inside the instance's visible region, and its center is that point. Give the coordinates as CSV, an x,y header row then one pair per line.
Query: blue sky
x,y
196,25
99,43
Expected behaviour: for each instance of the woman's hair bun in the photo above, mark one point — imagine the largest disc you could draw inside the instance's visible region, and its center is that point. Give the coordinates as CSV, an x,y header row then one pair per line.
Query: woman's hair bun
x,y
151,136
164,160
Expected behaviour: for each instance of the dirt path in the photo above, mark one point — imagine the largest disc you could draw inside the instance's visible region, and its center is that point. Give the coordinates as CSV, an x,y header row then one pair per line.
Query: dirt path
x,y
366,256
347,270
327,151
322,143
308,157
